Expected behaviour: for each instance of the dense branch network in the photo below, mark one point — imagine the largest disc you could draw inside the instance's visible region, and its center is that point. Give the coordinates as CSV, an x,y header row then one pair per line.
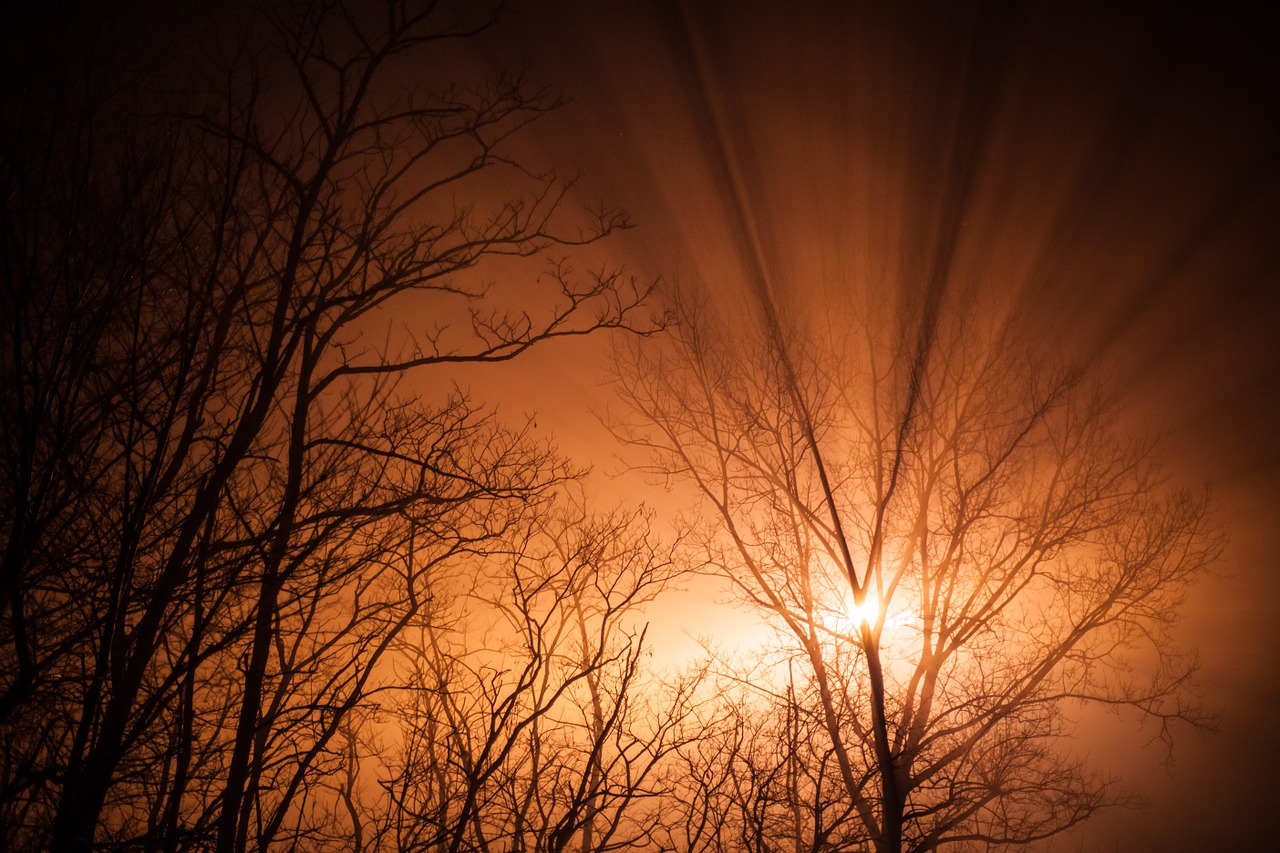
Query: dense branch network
x,y
957,551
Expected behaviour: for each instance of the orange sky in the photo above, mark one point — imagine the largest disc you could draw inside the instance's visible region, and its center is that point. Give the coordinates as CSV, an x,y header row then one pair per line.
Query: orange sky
x,y
1115,170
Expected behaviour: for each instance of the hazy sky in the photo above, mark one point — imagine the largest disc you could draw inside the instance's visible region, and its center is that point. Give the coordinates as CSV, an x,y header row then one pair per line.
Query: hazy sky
x,y
1115,170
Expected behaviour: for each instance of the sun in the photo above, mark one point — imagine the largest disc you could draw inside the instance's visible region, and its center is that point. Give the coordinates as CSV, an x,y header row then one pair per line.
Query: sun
x,y
865,613
851,617
854,616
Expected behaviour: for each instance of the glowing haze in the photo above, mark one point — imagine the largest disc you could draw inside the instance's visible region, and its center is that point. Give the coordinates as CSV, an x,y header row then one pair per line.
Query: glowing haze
x,y
1113,172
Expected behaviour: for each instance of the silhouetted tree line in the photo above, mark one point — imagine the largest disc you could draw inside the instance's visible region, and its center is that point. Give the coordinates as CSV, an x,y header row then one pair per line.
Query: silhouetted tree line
x,y
244,573
260,590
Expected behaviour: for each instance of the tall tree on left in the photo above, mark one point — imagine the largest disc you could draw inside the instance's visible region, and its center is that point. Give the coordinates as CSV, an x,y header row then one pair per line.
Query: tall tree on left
x,y
218,511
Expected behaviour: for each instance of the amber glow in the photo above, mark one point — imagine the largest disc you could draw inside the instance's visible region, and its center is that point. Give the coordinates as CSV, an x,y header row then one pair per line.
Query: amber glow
x,y
853,617
645,426
859,615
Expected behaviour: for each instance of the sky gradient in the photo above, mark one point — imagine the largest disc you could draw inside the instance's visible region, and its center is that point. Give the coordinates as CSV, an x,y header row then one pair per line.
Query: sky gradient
x,y
1114,171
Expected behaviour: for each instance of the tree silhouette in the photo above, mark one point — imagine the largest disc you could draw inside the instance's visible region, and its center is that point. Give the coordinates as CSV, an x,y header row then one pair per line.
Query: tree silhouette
x,y
257,590
957,550
532,734
221,514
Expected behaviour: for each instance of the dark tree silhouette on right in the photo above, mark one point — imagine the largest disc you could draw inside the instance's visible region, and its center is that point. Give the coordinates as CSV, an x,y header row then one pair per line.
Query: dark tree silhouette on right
x,y
958,549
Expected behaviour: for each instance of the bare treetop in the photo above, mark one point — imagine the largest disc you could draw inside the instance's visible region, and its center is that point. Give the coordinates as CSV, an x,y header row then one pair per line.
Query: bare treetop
x,y
958,550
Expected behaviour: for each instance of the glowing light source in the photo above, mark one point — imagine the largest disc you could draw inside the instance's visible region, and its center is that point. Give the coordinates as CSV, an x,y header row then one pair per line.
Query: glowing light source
x,y
857,615
852,616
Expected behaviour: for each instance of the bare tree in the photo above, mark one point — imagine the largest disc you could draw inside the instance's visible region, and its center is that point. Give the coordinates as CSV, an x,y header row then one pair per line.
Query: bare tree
x,y
220,511
957,549
528,722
